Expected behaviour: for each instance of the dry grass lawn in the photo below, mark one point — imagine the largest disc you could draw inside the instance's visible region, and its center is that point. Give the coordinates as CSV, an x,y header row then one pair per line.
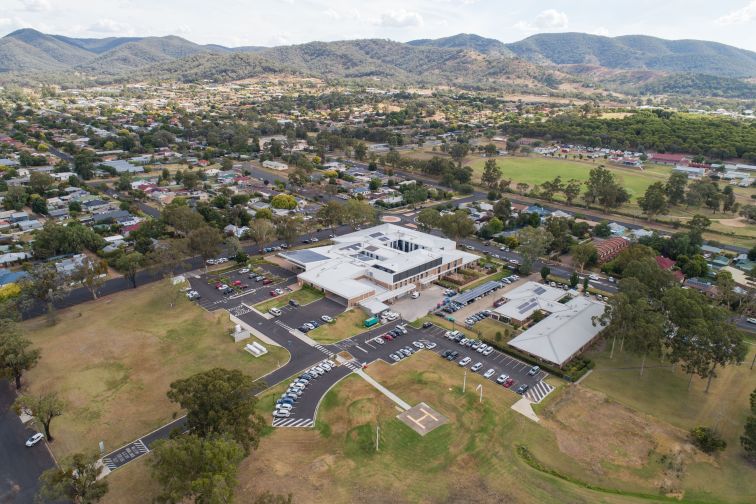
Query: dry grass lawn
x,y
112,361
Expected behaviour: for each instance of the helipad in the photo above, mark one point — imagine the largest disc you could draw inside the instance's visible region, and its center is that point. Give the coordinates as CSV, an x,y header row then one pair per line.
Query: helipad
x,y
422,418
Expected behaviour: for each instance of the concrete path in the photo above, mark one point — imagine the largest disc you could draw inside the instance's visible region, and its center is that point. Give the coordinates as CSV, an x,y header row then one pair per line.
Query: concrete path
x,y
383,390
523,407
262,337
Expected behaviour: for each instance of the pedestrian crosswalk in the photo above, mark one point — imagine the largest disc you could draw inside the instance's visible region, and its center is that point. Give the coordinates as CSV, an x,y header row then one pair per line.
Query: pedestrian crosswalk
x,y
324,350
352,365
125,454
279,323
293,422
539,391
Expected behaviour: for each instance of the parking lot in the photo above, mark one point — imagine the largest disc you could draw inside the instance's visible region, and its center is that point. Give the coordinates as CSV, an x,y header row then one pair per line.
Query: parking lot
x,y
294,317
213,299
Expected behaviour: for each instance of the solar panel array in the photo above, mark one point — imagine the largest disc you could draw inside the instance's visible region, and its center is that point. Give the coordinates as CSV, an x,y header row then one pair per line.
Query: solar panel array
x,y
539,290
468,296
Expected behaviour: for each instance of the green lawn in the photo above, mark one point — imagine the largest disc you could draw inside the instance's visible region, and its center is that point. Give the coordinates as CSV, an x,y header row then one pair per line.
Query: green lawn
x,y
537,170
346,325
305,295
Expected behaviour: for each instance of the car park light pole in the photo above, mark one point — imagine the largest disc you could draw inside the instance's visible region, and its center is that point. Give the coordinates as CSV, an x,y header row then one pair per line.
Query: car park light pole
x,y
464,382
480,387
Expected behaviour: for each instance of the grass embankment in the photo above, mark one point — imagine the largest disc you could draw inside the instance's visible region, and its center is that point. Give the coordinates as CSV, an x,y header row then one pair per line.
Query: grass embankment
x,y
112,361
346,325
303,296
585,439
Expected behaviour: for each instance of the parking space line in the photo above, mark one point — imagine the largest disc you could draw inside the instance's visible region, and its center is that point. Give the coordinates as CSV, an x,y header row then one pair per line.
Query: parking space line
x,y
360,348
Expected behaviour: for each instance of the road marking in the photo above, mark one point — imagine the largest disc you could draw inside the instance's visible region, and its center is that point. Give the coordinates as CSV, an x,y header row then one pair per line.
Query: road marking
x,y
360,348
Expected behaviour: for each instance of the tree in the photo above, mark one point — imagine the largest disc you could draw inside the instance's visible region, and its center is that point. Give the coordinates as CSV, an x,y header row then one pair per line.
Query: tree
x,y
748,212
699,223
654,200
675,188
572,190
204,241
748,439
603,188
331,214
491,174
285,201
459,151
503,209
574,280
40,182
358,212
42,408
551,187
428,218
262,232
545,272
220,402
193,469
725,288
55,239
92,274
692,267
45,285
15,198
582,254
190,180
289,228
533,243
129,264
728,199
522,187
182,218
16,354
456,225
75,478
707,439
602,230
360,150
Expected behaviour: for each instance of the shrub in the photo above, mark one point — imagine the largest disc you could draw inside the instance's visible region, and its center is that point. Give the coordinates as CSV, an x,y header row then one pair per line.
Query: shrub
x,y
707,439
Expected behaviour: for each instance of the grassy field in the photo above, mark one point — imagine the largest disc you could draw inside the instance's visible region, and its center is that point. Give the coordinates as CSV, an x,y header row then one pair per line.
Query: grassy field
x,y
586,437
303,296
663,393
537,170
112,360
346,325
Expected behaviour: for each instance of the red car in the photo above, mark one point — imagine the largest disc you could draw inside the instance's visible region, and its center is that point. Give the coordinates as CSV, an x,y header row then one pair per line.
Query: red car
x,y
236,283
218,285
267,281
508,383
388,337
244,286
273,293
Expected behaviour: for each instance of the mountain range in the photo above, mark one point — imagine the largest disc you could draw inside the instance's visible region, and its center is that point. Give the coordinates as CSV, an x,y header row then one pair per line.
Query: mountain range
x,y
540,62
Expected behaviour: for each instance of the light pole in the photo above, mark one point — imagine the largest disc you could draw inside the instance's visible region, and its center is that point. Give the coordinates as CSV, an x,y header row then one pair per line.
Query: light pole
x,y
464,382
480,387
377,435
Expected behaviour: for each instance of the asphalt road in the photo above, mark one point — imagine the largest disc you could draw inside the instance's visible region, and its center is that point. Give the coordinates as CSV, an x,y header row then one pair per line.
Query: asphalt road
x,y
20,466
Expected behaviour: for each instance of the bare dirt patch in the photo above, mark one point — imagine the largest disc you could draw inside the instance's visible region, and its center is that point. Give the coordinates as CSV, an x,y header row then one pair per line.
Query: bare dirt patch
x,y
736,223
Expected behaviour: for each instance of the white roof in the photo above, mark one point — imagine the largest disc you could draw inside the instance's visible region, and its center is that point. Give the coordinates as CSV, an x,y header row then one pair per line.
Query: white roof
x,y
562,334
527,298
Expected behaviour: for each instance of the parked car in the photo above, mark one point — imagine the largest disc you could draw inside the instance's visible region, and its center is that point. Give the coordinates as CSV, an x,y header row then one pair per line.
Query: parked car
x,y
430,345
426,325
534,370
418,345
294,303
501,379
522,388
267,281
278,292
508,382
244,270
34,439
464,362
326,319
394,357
415,295
275,312
488,351
476,366
281,414
489,373
453,355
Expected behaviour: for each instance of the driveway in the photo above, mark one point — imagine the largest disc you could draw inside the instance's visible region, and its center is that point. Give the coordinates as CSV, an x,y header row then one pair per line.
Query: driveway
x,y
412,309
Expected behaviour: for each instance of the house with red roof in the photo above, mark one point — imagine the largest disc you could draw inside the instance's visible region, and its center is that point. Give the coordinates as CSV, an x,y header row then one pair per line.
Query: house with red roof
x,y
669,159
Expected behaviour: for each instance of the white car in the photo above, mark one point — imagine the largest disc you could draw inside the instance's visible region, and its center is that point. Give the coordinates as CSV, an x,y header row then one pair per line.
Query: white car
x,y
751,320
36,438
476,366
326,318
415,295
489,373
430,345
275,312
244,270
482,348
502,378
594,277
284,407
465,361
282,413
488,351
417,344
210,261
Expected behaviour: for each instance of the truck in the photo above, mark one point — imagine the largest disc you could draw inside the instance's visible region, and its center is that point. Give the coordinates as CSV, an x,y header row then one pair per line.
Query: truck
x,y
371,321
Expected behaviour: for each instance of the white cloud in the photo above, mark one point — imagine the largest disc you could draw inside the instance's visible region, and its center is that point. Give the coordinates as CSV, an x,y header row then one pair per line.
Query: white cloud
x,y
108,26
738,16
400,19
36,5
547,20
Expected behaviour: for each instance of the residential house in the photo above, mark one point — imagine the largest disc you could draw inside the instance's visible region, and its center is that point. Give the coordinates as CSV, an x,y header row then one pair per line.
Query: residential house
x,y
610,248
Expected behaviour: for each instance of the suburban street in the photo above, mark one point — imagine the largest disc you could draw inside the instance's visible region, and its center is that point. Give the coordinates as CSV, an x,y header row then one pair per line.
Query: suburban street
x,y
20,467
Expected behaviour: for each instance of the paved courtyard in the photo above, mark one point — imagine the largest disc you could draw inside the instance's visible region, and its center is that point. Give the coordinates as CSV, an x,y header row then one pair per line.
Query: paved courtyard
x,y
412,309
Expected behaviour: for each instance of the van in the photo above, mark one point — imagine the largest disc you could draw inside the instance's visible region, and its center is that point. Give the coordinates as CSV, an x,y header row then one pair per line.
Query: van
x,y
275,312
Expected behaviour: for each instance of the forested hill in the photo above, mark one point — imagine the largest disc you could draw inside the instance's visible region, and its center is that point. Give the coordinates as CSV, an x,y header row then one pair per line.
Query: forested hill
x,y
637,52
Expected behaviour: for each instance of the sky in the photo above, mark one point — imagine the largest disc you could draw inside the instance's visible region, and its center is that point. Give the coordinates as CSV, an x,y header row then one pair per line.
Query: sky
x,y
281,22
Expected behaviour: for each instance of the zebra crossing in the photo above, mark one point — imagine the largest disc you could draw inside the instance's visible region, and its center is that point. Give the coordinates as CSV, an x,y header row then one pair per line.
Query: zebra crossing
x,y
539,391
281,324
294,422
324,350
352,365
